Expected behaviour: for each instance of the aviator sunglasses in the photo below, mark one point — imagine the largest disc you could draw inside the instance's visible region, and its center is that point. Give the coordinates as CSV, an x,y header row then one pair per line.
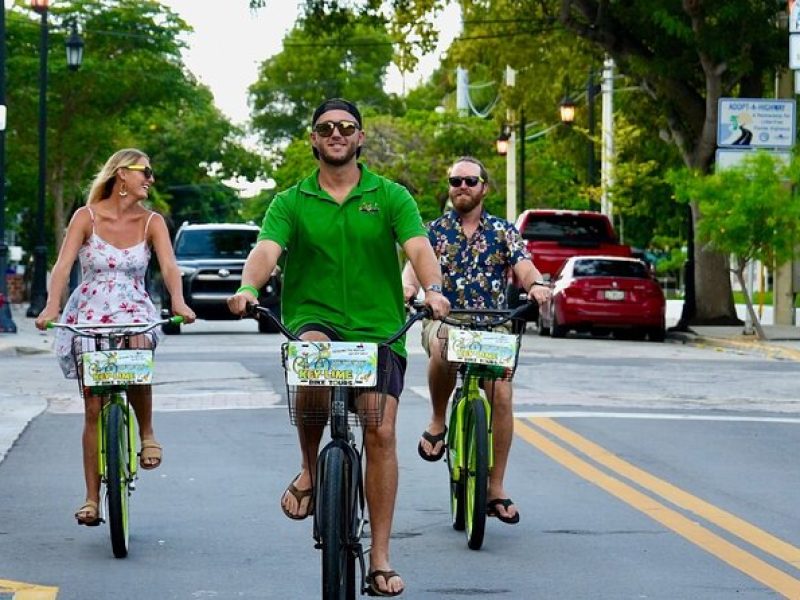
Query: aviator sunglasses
x,y
470,180
325,128
146,170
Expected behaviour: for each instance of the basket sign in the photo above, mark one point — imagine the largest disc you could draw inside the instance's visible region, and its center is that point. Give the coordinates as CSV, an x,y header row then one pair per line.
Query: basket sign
x,y
351,364
481,347
118,367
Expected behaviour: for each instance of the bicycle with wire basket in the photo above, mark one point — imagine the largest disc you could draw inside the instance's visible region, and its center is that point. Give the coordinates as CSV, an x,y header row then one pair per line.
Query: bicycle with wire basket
x,y
340,383
110,358
479,354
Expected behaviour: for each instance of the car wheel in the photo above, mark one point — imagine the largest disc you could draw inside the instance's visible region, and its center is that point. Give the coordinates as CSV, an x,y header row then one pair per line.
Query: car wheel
x,y
557,330
657,334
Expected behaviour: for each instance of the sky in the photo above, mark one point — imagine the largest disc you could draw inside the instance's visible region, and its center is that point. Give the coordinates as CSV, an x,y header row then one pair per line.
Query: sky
x,y
228,45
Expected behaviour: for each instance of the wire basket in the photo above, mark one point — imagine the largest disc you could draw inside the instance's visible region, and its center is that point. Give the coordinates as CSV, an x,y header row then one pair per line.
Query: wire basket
x,y
483,371
311,405
81,344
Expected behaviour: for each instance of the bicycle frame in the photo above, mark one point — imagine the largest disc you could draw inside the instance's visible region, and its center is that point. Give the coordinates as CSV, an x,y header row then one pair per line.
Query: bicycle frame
x,y
338,486
116,428
470,438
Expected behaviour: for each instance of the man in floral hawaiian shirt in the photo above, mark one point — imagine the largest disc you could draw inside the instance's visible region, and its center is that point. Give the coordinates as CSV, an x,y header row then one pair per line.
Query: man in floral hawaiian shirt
x,y
476,251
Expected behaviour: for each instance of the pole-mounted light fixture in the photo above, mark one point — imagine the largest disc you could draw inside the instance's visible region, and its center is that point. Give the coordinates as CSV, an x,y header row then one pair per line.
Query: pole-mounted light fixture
x,y
74,48
566,109
502,140
40,6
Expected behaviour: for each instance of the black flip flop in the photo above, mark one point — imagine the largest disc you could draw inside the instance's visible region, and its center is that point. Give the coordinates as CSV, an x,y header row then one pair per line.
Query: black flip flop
x,y
432,440
372,587
491,510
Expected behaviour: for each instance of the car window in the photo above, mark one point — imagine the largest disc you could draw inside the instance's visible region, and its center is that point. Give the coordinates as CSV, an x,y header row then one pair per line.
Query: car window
x,y
567,228
215,243
609,268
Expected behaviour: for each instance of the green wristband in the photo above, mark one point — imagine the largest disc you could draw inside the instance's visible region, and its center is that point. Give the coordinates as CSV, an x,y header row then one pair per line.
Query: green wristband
x,y
248,288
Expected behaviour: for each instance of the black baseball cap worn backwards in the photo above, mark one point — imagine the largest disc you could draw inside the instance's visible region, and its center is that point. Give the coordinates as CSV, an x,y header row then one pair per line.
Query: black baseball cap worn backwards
x,y
337,104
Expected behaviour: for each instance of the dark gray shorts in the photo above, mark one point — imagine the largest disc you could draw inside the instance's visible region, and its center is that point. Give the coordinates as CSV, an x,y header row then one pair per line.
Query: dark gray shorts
x,y
391,366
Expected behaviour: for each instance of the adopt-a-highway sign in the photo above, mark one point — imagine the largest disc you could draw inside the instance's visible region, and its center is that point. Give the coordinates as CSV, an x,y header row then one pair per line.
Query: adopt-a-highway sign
x,y
756,123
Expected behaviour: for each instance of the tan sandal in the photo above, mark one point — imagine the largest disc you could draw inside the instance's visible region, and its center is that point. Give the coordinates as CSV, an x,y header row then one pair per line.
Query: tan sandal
x,y
88,514
150,454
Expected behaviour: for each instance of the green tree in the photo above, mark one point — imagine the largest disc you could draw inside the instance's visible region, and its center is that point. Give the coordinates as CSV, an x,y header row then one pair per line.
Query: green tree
x,y
132,90
348,60
750,212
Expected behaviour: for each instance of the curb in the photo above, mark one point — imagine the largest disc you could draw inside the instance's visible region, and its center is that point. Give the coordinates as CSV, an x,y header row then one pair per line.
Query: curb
x,y
750,346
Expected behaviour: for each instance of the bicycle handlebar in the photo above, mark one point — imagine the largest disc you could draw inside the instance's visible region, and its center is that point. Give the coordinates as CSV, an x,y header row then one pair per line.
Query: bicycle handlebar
x,y
91,330
504,315
253,310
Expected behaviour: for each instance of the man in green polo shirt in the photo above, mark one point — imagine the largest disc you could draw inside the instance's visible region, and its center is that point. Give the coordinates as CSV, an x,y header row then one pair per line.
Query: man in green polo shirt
x,y
341,280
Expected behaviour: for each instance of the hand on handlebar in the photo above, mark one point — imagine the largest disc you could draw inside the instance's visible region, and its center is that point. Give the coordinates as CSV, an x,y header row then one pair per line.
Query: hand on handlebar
x,y
439,305
237,303
539,293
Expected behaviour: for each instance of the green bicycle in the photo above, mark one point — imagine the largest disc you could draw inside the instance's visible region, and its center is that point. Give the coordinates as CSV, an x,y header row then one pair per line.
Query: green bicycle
x,y
110,357
480,355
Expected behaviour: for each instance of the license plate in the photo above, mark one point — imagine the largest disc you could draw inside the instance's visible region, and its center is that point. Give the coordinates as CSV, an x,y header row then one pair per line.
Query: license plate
x,y
614,295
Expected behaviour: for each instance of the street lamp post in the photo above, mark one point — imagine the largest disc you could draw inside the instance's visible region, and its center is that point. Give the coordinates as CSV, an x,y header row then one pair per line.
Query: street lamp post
x,y
7,324
39,282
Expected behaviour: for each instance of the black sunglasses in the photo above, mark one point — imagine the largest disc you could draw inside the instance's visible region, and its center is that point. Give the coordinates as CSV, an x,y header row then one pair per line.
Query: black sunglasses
x,y
346,128
146,170
470,180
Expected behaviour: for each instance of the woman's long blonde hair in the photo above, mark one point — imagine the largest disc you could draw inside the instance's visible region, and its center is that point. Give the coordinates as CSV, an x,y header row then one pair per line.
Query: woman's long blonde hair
x,y
104,181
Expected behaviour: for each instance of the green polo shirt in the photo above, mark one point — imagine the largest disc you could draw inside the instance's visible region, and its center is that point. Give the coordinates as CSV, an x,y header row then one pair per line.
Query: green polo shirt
x,y
342,266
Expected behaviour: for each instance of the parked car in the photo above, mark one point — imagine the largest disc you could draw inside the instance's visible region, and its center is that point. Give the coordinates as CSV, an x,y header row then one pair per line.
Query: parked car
x,y
553,236
211,257
604,294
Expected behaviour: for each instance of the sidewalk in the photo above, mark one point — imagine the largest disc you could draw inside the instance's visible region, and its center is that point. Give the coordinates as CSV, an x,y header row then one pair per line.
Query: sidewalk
x,y
27,339
782,343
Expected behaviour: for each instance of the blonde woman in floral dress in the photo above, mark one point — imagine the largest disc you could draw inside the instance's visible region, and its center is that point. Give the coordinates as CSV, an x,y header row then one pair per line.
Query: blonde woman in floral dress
x,y
112,236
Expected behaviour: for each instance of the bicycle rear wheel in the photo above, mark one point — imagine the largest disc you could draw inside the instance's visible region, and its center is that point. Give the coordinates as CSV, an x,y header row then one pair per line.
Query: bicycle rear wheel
x,y
117,453
477,473
334,511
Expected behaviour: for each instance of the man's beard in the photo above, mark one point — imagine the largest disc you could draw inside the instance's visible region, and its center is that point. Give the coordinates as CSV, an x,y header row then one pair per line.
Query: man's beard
x,y
334,161
464,204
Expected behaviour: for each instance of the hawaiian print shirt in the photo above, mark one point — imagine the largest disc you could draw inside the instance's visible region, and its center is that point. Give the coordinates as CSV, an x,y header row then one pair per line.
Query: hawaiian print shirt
x,y
475,271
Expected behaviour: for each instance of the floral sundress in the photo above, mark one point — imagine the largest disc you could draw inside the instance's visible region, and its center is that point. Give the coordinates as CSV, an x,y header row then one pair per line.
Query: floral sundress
x,y
112,290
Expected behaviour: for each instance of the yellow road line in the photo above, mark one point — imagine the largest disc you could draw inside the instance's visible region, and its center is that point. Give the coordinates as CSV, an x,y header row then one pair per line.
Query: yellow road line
x,y
721,548
28,591
738,527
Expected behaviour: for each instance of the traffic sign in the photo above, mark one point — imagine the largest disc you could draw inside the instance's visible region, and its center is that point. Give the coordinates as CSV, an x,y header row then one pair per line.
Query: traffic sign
x,y
727,158
756,123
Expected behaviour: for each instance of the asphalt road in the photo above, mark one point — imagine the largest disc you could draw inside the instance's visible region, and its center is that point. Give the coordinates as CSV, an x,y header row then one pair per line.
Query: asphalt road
x,y
640,471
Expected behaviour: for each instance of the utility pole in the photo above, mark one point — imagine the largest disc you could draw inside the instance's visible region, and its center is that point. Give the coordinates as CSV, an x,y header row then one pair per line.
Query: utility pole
x,y
7,324
782,290
607,152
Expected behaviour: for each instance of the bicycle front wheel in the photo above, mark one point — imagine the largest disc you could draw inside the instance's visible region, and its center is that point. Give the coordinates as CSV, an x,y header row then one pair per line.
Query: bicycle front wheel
x,y
454,461
334,521
477,474
117,453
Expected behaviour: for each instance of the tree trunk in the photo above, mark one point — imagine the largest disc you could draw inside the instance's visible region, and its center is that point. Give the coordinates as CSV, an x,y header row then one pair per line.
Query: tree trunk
x,y
712,282
749,301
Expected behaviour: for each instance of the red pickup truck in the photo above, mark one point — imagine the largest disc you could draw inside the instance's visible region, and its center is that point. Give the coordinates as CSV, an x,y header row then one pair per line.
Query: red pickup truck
x,y
552,236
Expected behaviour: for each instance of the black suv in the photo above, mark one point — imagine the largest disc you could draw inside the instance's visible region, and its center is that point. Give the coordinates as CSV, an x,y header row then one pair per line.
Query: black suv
x,y
211,258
